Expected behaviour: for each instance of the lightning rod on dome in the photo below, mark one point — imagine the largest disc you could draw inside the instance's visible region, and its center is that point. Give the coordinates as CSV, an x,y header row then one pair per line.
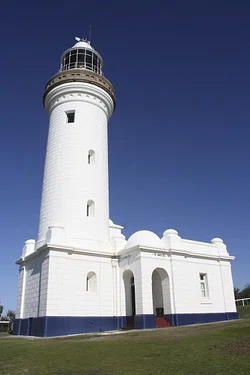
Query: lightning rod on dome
x,y
89,33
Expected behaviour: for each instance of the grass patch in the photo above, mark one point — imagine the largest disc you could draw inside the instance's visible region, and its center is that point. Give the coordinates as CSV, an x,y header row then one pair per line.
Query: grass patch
x,y
209,349
244,311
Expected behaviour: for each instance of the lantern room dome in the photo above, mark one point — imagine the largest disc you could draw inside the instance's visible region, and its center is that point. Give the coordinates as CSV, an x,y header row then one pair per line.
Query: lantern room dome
x,y
83,44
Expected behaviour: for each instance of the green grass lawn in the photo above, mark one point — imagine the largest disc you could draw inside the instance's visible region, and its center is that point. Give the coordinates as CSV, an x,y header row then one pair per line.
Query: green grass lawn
x,y
244,311
214,349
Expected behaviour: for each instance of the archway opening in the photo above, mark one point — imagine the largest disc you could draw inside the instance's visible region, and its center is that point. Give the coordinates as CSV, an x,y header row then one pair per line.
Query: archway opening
x,y
161,293
129,285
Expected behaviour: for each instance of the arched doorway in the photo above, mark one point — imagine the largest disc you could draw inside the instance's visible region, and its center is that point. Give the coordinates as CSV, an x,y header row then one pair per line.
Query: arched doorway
x,y
129,286
161,294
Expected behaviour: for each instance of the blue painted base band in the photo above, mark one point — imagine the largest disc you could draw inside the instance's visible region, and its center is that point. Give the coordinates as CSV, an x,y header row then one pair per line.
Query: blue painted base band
x,y
187,319
48,326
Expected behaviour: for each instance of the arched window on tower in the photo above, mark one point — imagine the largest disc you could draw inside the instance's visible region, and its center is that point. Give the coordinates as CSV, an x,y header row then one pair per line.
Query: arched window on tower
x,y
91,157
90,208
91,282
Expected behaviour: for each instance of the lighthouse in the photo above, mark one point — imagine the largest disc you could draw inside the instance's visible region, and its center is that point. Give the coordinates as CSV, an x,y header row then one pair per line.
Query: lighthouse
x,y
75,200
71,262
81,275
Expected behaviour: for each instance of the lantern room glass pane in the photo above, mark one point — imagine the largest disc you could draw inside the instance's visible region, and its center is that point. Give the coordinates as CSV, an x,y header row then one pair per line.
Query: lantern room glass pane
x,y
73,58
81,57
89,58
66,59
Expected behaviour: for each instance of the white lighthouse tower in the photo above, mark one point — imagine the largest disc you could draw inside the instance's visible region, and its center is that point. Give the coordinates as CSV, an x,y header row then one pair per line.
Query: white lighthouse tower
x,y
79,102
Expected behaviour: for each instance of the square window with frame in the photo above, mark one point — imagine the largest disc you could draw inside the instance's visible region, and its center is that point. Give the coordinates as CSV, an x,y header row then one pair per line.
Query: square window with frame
x,y
204,286
70,117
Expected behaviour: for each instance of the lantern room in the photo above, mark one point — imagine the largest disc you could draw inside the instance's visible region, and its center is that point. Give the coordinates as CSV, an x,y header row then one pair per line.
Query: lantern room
x,y
82,56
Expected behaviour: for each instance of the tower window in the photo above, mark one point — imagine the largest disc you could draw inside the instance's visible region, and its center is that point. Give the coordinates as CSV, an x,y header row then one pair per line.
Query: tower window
x,y
91,157
90,208
91,284
203,285
70,117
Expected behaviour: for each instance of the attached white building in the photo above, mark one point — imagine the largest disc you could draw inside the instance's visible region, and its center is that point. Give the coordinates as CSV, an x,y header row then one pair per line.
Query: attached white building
x,y
82,275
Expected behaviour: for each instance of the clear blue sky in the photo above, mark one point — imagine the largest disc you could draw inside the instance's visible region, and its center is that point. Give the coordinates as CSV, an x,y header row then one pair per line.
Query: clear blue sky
x,y
179,139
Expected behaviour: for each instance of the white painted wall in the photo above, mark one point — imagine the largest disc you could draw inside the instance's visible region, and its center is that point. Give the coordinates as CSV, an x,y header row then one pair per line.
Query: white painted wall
x,y
54,283
32,287
186,273
67,294
227,286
